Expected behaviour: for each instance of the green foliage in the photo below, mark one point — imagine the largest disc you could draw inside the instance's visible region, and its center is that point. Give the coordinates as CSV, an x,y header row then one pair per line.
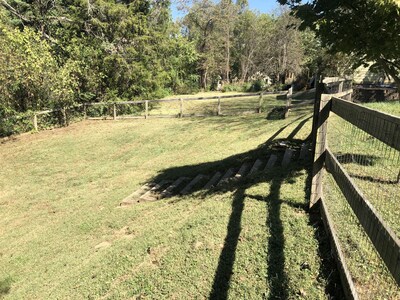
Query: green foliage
x,y
27,69
65,87
77,51
233,88
12,122
257,86
367,29
252,87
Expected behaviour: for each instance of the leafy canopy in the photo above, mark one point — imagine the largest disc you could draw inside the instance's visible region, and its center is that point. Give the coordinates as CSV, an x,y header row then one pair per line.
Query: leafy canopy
x,y
369,29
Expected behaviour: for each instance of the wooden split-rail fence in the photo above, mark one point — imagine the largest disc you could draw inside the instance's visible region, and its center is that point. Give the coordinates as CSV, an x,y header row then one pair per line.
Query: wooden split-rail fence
x,y
145,108
335,97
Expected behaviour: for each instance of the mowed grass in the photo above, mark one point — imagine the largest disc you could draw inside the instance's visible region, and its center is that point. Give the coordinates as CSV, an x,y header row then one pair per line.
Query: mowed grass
x,y
391,107
63,234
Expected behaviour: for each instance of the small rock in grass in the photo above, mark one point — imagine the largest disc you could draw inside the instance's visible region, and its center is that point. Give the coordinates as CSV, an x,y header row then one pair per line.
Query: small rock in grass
x,y
103,245
197,245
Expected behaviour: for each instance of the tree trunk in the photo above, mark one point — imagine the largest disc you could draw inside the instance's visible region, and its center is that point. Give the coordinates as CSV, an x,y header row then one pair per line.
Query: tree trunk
x,y
391,71
203,79
228,56
283,78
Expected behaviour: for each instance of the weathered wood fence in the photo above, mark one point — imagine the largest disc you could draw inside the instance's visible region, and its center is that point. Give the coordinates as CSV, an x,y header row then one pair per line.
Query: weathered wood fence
x,y
336,97
146,107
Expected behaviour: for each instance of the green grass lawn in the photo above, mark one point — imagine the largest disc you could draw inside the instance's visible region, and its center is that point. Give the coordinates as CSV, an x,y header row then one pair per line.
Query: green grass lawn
x,y
64,235
391,107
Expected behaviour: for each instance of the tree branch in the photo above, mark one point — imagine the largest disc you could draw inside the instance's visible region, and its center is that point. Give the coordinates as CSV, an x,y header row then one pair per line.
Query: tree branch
x,y
14,11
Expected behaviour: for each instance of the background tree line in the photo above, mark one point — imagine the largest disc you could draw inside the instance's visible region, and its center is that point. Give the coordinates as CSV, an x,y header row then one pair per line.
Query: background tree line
x,y
56,53
59,52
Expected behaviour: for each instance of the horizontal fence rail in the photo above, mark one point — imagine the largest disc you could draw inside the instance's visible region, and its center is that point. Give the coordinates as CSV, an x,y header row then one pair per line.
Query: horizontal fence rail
x,y
345,276
383,238
181,110
219,105
186,99
388,129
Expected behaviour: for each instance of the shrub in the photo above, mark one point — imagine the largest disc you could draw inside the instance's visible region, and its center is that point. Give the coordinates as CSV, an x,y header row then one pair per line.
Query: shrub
x,y
256,86
235,87
13,123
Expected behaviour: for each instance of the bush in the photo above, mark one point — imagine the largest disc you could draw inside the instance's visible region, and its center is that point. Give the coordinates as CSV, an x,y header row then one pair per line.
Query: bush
x,y
278,87
13,123
231,88
256,86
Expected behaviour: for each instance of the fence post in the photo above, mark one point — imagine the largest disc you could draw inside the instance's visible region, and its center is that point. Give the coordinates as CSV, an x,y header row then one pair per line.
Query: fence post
x,y
146,105
114,111
260,103
320,147
35,123
288,101
350,96
181,108
64,114
319,89
84,111
219,106
341,86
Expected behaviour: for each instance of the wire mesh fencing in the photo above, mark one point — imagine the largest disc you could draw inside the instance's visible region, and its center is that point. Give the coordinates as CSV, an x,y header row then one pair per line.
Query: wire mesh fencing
x,y
373,167
359,190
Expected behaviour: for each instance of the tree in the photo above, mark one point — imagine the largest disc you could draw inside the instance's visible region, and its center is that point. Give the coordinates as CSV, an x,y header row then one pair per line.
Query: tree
x,y
246,42
225,23
252,44
27,70
319,59
115,49
200,25
368,29
282,53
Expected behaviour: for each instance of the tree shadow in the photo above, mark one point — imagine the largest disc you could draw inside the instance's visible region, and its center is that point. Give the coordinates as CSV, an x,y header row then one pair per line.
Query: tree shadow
x,y
360,159
5,287
223,273
276,275
298,128
270,146
277,113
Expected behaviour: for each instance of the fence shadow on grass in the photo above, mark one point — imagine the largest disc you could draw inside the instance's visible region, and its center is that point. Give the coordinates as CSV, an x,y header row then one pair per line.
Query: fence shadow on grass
x,y
277,278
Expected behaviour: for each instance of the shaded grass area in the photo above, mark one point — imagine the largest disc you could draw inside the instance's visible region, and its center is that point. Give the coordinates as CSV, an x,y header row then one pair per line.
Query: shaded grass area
x,y
5,286
63,235
374,167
